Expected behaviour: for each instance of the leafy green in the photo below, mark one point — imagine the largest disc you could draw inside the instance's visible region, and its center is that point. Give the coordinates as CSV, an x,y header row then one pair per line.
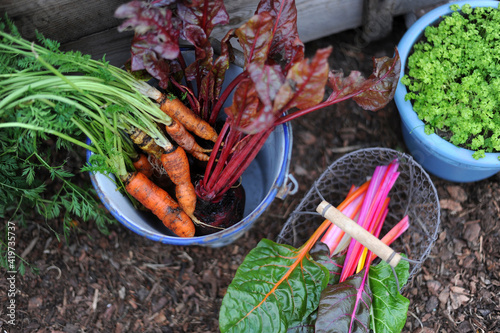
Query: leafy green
x,y
454,79
389,308
345,307
275,287
51,102
321,254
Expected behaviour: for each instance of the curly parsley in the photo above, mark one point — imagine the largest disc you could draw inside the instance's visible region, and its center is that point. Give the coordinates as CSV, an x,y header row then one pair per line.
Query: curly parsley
x,y
454,78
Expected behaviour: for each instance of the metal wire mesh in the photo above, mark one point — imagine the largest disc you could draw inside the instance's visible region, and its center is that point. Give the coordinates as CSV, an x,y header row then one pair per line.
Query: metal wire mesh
x,y
413,194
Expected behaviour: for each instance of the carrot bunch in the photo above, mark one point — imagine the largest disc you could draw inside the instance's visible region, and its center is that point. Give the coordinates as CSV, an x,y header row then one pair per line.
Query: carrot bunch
x,y
127,129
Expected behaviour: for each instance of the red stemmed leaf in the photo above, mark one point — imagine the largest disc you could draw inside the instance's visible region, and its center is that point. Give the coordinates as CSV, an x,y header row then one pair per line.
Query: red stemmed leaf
x,y
221,63
199,17
205,14
304,84
245,106
286,45
267,81
343,86
373,93
385,79
255,38
145,58
345,307
158,29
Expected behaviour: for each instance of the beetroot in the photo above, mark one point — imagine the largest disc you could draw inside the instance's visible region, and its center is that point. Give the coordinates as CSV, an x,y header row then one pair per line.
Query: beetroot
x,y
222,214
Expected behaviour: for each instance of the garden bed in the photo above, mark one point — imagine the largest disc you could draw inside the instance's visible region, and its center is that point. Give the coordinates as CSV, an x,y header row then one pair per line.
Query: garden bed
x,y
126,283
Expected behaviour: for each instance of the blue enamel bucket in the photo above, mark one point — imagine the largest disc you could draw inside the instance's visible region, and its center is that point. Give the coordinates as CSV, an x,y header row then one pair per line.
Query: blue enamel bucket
x,y
266,178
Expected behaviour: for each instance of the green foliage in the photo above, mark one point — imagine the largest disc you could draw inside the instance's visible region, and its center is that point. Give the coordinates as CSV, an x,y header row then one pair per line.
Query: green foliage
x,y
454,78
272,290
37,101
389,308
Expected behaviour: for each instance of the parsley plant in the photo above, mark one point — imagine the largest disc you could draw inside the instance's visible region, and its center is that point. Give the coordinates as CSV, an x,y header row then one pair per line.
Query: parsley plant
x,y
454,78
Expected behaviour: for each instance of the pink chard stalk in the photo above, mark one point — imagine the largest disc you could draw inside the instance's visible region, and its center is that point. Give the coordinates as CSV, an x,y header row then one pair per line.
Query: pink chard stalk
x,y
277,83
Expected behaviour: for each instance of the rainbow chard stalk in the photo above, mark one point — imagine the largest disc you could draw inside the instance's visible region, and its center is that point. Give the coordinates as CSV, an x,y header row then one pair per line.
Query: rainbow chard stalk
x,y
277,83
316,288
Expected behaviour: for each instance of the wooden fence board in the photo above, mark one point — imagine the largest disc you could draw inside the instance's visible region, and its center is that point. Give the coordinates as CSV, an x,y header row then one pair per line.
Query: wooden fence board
x,y
89,25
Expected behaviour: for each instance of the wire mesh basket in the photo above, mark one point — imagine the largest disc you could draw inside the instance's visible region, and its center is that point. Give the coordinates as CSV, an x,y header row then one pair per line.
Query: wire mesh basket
x,y
413,194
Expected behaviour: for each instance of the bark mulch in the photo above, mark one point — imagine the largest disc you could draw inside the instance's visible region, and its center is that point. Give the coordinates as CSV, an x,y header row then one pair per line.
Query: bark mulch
x,y
123,282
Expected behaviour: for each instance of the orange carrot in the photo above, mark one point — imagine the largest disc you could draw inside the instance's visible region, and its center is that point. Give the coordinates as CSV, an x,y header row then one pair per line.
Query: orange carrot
x,y
176,164
143,165
184,139
177,110
159,203
200,156
146,143
186,196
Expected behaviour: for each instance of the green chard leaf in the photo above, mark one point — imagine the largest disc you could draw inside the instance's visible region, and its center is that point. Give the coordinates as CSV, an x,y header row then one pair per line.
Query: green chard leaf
x,y
276,287
389,308
321,254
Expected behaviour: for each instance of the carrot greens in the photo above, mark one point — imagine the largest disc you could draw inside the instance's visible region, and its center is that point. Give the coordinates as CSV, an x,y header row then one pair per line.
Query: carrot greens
x,y
46,95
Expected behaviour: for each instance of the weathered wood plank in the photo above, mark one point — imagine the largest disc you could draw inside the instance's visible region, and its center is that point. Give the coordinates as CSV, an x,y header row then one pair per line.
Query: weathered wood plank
x,y
69,20
89,26
315,18
62,20
111,44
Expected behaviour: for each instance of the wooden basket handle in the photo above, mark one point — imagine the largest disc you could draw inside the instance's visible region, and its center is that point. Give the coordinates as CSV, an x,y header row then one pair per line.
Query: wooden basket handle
x,y
360,234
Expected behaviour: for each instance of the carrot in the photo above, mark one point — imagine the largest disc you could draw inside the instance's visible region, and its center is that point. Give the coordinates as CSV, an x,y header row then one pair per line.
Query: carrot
x,y
184,139
186,196
159,203
145,142
177,110
200,156
176,164
142,164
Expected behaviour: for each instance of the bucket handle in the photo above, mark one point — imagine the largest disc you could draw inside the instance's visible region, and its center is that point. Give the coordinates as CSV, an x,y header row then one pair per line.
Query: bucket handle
x,y
288,188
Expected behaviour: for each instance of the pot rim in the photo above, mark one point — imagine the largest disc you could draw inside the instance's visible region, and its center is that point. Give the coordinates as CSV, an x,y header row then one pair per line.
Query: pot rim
x,y
434,142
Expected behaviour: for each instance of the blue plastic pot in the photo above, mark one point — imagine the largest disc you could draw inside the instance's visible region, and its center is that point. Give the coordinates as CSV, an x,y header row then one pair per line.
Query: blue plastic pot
x,y
436,155
265,179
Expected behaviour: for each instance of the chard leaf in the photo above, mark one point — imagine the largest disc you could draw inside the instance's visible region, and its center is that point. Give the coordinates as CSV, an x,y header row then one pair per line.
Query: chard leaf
x,y
389,307
305,82
380,87
286,43
275,287
156,26
373,93
221,63
266,82
321,254
245,106
307,326
199,17
255,38
345,307
203,14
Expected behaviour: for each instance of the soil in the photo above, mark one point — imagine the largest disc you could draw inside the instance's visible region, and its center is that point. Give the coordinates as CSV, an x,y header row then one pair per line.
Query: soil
x,y
123,282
